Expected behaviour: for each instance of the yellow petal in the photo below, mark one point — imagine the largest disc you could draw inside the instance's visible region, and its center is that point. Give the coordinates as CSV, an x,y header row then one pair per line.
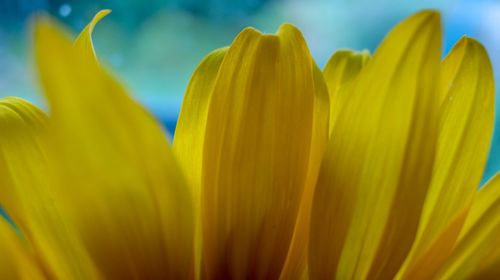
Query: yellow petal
x,y
259,140
17,261
477,252
378,165
466,126
21,125
341,69
120,183
83,42
27,191
190,131
297,256
20,122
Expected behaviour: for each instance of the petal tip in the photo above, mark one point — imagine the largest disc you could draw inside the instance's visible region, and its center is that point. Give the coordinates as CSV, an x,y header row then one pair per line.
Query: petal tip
x,y
427,19
288,28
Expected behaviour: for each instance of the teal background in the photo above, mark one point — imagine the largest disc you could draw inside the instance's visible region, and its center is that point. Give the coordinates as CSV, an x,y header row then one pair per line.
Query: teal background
x,y
154,46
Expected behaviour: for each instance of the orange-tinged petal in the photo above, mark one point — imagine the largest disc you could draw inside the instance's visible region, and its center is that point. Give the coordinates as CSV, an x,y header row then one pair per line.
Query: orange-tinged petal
x,y
465,131
477,252
378,164
120,184
17,261
259,140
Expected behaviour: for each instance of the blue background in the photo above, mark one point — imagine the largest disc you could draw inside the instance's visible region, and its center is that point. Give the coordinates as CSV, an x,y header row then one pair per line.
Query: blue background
x,y
154,46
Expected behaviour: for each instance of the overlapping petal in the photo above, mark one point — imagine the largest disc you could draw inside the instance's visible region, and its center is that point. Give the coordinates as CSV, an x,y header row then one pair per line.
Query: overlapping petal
x,y
247,190
27,194
378,165
477,253
466,126
262,118
342,68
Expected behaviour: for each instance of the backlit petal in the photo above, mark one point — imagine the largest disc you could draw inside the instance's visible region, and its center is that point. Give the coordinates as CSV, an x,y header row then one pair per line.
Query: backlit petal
x,y
342,68
465,131
259,140
121,184
378,165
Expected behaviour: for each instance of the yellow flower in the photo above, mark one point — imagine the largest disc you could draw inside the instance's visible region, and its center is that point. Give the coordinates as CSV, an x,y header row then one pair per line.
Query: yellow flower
x,y
368,170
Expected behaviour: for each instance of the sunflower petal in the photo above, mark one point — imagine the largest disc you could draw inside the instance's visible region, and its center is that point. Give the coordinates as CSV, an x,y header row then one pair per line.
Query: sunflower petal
x,y
16,260
464,139
378,164
190,131
477,252
27,194
340,69
110,154
297,256
84,40
258,143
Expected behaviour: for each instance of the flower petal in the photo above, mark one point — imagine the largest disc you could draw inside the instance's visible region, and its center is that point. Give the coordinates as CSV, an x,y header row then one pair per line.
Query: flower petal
x,y
259,141
340,69
114,157
464,138
190,131
84,40
373,179
16,260
27,192
297,255
477,253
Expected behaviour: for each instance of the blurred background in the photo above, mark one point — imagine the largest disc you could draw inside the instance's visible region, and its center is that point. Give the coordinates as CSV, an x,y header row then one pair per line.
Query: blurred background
x,y
155,45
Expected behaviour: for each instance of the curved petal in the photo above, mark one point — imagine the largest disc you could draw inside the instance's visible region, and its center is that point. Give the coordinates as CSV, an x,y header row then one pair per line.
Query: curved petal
x,y
110,154
257,147
190,131
341,68
297,255
27,193
477,252
83,42
464,138
378,164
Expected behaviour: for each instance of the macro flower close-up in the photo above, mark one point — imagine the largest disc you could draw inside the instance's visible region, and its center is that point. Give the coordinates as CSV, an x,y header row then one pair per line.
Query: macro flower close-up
x,y
371,167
